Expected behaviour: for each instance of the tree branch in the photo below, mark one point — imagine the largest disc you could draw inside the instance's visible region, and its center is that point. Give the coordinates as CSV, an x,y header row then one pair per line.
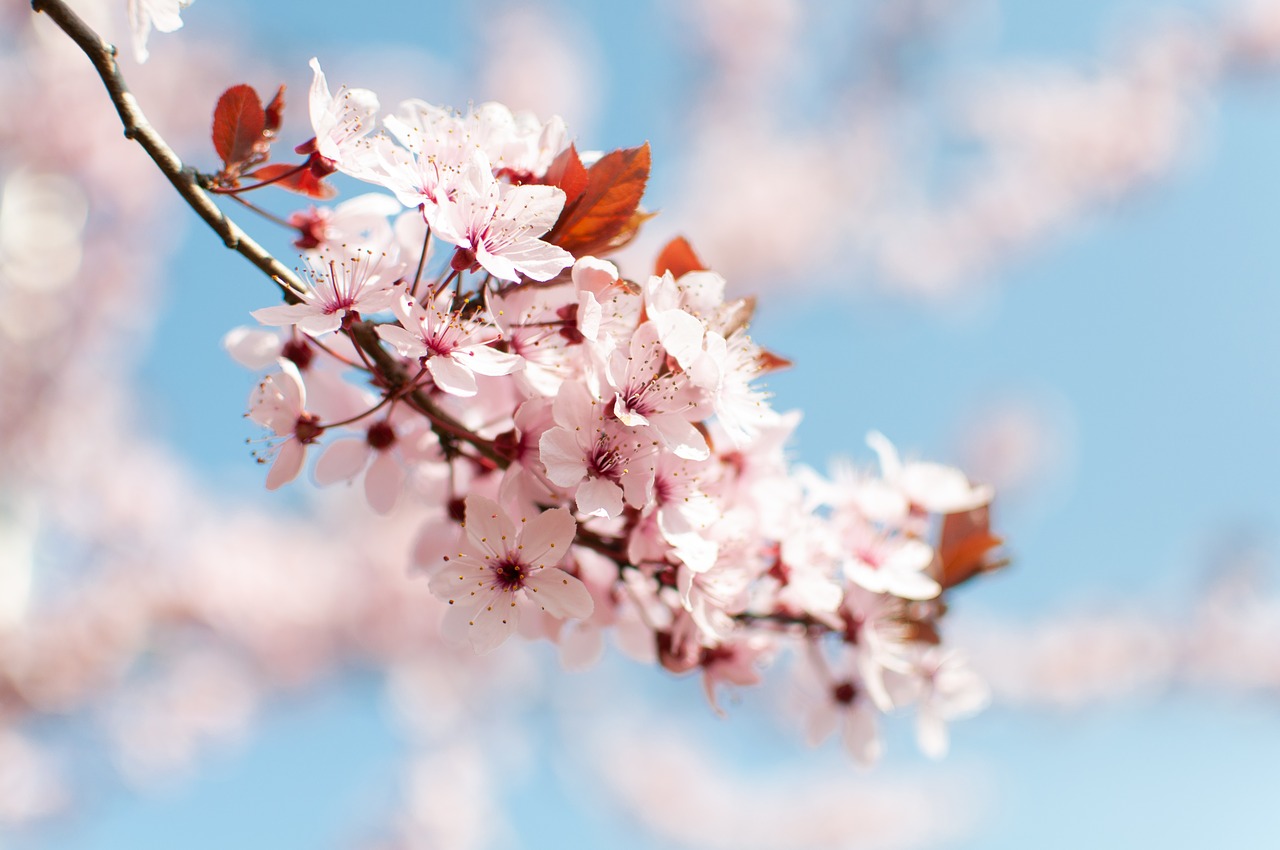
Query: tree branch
x,y
136,127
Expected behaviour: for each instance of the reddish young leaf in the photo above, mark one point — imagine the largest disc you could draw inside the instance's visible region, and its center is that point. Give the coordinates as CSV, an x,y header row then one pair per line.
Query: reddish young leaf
x,y
569,174
965,546
678,258
628,232
770,362
238,121
303,181
274,115
606,210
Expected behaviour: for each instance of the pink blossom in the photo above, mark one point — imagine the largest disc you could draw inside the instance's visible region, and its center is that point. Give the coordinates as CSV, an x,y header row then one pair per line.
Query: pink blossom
x,y
389,447
334,291
279,402
453,349
497,225
645,393
341,120
502,568
601,459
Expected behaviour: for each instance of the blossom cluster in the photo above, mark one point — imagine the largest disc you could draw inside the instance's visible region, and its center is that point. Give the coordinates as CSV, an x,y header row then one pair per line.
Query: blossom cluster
x,y
588,451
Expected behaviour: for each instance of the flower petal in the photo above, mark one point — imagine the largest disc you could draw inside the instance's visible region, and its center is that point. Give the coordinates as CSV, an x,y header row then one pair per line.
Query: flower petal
x,y
545,539
560,594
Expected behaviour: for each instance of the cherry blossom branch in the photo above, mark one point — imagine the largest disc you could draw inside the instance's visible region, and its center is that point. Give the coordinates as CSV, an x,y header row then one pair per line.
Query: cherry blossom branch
x,y
136,127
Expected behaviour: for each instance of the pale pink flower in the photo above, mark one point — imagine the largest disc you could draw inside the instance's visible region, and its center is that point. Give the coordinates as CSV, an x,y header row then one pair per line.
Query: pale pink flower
x,y
603,461
164,15
340,121
453,349
646,394
889,563
280,403
846,704
333,291
931,486
390,446
943,687
502,568
735,662
496,225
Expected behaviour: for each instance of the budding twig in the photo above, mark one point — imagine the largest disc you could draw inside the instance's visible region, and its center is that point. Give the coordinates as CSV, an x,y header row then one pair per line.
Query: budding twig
x,y
136,127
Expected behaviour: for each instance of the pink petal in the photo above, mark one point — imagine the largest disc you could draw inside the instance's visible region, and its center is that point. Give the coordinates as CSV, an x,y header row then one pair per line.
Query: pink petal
x,y
488,526
678,433
560,594
287,465
493,623
545,539
562,456
384,481
599,497
859,734
341,460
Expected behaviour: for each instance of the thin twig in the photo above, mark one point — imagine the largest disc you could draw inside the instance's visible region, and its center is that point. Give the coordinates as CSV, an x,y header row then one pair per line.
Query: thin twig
x,y
136,127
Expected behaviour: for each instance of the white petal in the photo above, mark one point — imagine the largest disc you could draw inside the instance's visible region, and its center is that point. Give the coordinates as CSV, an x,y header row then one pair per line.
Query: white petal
x,y
484,360
680,434
681,335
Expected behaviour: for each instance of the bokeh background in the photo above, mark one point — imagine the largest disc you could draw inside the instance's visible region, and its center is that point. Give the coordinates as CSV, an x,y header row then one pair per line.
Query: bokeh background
x,y
1037,240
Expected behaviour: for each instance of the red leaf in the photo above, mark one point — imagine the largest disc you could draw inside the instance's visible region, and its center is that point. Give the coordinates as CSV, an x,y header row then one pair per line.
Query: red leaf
x,y
678,258
770,362
569,174
607,209
274,114
303,181
965,546
238,121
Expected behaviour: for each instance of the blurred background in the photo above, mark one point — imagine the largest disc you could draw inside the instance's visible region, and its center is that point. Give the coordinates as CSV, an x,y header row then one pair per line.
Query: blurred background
x,y
1036,240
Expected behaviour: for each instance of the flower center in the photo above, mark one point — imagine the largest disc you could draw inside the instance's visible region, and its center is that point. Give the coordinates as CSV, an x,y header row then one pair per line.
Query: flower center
x,y
508,574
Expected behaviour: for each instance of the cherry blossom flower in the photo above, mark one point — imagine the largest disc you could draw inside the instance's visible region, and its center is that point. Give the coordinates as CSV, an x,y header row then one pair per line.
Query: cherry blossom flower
x,y
645,394
164,15
496,225
389,447
601,459
502,568
339,121
452,348
884,563
943,687
334,291
845,703
932,486
279,402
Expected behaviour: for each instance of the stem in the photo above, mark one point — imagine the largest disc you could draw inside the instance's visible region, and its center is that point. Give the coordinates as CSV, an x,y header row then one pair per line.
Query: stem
x,y
218,190
422,262
269,216
136,127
